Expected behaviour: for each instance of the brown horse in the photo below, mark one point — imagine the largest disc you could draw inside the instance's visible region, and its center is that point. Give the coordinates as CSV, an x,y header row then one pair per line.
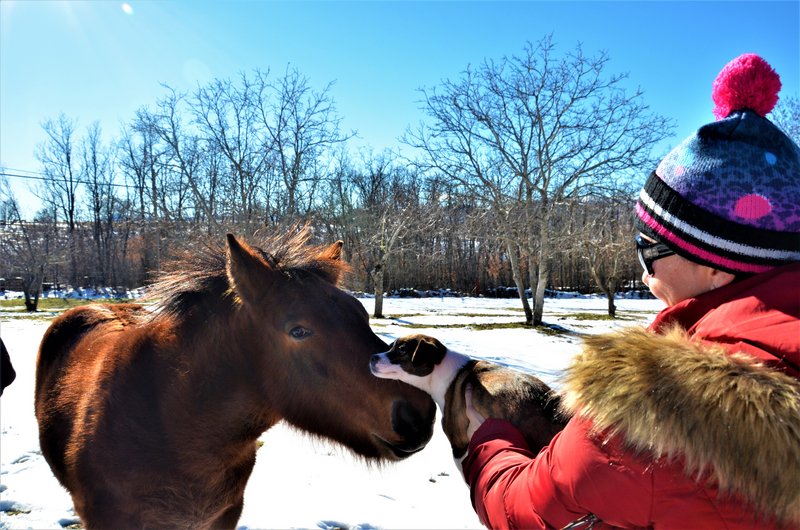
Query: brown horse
x,y
150,418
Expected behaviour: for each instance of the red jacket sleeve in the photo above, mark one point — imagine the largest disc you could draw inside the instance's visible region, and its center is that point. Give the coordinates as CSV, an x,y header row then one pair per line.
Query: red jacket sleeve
x,y
574,476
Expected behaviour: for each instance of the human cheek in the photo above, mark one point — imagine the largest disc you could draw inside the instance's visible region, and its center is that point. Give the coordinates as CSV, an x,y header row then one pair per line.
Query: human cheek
x,y
657,288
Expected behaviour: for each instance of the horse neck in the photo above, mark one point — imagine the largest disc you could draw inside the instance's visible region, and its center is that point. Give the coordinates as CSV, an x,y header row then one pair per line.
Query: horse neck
x,y
223,384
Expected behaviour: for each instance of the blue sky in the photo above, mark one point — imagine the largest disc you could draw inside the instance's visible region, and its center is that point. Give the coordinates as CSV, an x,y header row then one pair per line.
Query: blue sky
x,y
101,60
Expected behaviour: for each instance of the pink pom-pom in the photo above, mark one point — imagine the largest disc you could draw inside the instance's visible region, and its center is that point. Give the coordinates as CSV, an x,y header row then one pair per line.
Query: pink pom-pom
x,y
747,82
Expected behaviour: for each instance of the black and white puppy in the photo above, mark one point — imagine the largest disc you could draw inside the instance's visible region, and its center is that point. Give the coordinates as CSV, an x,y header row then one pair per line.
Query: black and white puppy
x,y
497,391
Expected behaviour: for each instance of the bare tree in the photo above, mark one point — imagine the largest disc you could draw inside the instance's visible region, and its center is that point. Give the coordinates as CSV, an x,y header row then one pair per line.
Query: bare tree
x,y
786,115
140,154
602,239
379,201
228,118
97,174
26,247
337,204
303,128
455,145
184,159
532,131
61,186
380,224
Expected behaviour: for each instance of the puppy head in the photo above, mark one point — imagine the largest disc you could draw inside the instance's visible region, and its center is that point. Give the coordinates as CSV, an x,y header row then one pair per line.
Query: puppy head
x,y
415,355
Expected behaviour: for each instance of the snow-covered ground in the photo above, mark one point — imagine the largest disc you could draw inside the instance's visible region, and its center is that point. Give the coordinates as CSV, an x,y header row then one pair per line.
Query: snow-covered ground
x,y
303,483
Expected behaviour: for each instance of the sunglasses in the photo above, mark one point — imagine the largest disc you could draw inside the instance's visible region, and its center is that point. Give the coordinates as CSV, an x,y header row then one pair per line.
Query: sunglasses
x,y
649,252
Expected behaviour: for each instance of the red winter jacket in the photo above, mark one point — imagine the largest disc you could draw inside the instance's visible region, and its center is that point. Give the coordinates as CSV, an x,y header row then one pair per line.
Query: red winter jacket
x,y
670,429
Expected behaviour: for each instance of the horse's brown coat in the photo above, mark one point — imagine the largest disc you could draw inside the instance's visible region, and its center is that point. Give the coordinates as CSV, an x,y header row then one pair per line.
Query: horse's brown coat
x,y
150,419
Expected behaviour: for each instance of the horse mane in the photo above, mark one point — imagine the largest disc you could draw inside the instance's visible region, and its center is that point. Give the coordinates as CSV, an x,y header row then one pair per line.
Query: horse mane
x,y
197,279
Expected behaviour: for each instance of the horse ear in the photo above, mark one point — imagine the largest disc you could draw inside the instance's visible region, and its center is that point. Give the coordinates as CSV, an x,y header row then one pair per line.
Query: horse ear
x,y
331,262
333,252
246,269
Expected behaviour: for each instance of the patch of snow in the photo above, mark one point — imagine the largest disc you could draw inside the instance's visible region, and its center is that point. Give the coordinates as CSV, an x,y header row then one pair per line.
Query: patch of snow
x,y
302,482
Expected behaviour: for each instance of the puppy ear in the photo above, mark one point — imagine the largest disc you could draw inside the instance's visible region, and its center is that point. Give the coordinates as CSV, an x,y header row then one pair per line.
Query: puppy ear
x,y
248,272
418,357
428,351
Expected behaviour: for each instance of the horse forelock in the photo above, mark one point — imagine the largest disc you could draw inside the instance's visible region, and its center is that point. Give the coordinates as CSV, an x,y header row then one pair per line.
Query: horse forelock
x,y
201,277
294,256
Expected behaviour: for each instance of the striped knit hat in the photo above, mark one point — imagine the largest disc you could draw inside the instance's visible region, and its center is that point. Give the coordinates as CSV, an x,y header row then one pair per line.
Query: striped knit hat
x,y
729,195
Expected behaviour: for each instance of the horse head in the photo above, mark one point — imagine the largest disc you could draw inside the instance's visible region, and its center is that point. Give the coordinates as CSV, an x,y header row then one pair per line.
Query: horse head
x,y
312,343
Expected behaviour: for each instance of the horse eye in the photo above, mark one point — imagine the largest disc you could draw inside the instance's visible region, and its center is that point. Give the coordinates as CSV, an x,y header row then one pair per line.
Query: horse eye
x,y
300,332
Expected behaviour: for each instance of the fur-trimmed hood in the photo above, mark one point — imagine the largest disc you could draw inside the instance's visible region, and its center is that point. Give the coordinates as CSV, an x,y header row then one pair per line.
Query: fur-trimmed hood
x,y
724,414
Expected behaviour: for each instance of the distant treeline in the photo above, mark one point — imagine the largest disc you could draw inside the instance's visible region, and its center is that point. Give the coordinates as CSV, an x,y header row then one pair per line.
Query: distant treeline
x,y
522,175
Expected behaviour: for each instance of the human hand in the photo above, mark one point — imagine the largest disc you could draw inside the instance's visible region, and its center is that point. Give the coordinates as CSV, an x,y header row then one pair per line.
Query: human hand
x,y
475,418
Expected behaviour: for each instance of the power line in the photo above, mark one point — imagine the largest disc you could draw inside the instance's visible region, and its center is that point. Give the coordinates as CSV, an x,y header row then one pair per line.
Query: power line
x,y
40,177
22,171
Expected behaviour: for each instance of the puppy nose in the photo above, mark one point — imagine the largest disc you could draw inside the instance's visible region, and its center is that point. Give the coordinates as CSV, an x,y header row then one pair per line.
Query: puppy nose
x,y
374,360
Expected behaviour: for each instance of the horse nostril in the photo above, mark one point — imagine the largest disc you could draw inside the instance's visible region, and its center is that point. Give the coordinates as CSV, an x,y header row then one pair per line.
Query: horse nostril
x,y
414,426
374,361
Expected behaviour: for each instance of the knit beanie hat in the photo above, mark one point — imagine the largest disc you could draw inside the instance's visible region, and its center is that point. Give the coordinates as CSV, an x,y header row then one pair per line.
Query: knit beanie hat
x,y
729,195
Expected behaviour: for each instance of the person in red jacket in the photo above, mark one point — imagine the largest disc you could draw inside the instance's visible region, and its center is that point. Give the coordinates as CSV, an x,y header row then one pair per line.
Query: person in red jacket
x,y
694,422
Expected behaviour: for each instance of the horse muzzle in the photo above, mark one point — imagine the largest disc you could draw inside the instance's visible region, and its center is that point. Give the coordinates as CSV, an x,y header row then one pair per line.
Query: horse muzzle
x,y
413,428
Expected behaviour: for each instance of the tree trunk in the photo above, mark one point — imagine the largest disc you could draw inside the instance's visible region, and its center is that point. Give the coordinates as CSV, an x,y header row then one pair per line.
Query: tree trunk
x,y
612,309
31,304
73,255
610,289
532,270
31,288
377,280
541,284
531,222
516,273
